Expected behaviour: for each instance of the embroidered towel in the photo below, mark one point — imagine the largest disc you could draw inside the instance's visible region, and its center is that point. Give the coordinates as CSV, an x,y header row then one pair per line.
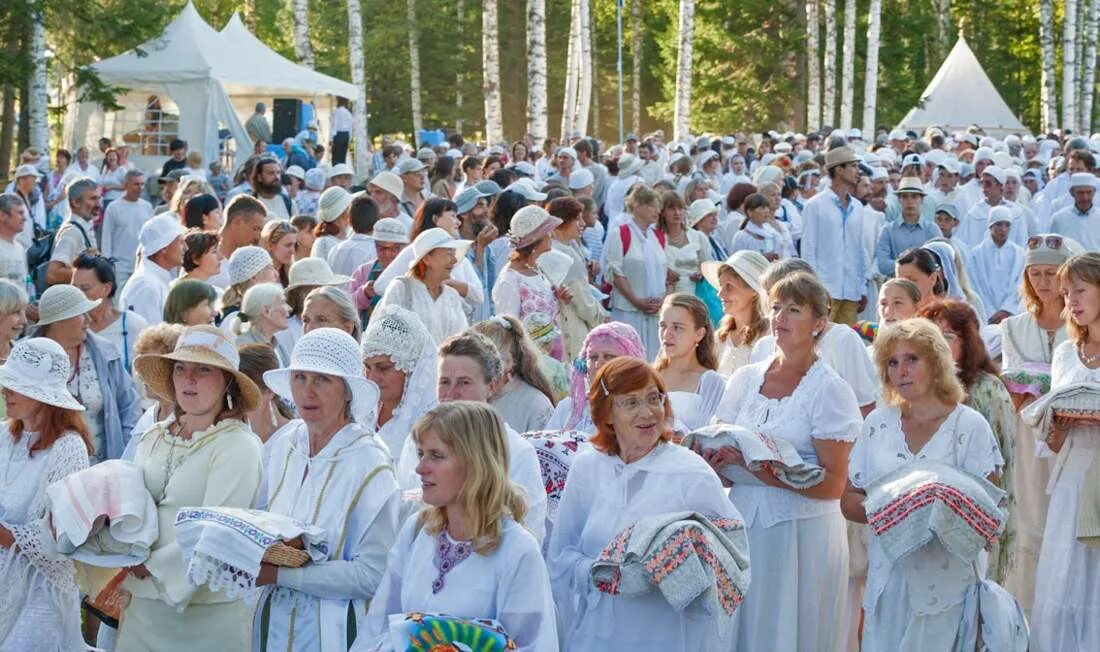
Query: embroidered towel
x,y
760,452
222,547
686,556
926,499
556,450
425,632
104,516
1077,400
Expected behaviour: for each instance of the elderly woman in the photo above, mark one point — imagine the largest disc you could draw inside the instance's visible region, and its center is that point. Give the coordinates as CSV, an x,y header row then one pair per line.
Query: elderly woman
x,y
306,275
923,417
279,239
263,314
633,472
398,355
43,440
248,266
525,398
797,536
330,307
466,554
582,313
204,455
99,380
191,303
327,468
1067,590
688,360
737,281
273,412
424,289
95,276
986,393
636,268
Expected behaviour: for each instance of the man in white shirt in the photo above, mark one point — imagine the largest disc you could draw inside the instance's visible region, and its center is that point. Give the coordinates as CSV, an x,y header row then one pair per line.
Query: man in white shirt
x,y
1081,221
347,256
975,224
585,150
340,126
122,222
267,187
413,179
385,189
162,248
833,235
244,219
75,235
13,256
999,267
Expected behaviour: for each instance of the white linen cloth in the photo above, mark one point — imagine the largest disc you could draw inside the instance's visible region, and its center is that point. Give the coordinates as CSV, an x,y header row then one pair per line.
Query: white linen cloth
x,y
760,451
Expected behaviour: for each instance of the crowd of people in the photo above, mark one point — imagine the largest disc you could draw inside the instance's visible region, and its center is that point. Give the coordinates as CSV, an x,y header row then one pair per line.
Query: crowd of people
x,y
496,385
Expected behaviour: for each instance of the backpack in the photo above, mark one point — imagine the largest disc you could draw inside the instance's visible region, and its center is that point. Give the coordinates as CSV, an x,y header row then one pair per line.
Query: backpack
x,y
39,254
625,236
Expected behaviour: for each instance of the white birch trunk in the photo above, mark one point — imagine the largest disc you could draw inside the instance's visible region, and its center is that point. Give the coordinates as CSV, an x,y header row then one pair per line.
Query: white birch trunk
x,y
536,69
813,66
572,70
250,15
681,119
594,124
1079,46
942,10
460,15
358,79
848,80
1088,76
490,47
38,91
636,56
584,82
414,68
1048,91
303,49
829,108
870,77
1069,66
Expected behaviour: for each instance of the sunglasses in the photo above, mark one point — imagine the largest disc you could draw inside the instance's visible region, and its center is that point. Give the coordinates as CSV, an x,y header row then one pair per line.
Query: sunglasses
x,y
1051,242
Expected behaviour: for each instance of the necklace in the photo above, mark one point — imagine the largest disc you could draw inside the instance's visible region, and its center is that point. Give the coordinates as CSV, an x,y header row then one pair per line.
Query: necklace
x,y
448,554
1087,359
169,461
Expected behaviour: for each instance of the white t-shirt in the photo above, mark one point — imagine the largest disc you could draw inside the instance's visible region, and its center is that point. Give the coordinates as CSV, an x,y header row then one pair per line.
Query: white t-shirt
x,y
122,222
13,262
70,243
276,207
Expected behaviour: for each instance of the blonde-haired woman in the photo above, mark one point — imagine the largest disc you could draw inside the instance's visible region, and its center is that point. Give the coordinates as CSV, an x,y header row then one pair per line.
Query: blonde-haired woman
x,y
636,268
264,314
923,418
744,320
1066,614
687,361
280,239
465,554
525,398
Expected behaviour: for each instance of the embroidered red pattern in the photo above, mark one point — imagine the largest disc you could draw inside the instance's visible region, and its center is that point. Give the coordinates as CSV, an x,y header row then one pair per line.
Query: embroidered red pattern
x,y
899,509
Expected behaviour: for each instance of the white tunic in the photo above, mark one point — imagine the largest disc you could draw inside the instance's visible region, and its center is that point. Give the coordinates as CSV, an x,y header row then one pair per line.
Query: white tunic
x,y
602,497
443,316
997,273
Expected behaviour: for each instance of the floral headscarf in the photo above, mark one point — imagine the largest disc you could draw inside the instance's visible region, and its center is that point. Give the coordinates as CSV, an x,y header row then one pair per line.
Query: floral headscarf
x,y
615,335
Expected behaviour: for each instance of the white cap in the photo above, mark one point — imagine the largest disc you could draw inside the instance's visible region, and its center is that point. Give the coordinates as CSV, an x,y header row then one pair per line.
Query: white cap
x,y
581,178
1082,180
247,262
159,232
296,171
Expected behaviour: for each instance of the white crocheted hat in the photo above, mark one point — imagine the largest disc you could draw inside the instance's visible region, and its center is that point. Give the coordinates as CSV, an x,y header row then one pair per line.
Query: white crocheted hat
x,y
314,271
332,352
398,333
247,262
60,302
39,369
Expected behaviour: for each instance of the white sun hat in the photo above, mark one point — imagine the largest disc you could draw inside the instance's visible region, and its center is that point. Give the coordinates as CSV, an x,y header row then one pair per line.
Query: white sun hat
x,y
437,239
748,264
39,369
247,262
332,204
332,352
61,302
313,271
389,229
699,209
529,225
159,232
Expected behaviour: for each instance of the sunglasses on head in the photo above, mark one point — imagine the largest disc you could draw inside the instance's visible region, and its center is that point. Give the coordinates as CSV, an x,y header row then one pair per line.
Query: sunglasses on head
x,y
1051,241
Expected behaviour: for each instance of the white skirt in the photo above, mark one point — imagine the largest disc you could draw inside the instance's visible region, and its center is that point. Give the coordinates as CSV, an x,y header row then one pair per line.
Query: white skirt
x,y
646,325
1030,491
153,626
798,598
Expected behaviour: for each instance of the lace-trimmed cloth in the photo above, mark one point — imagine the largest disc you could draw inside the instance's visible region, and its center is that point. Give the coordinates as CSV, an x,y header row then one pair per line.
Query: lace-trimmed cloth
x,y
556,450
761,452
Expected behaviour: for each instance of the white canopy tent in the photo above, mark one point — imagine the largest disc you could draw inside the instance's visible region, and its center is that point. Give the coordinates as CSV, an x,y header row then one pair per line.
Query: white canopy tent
x,y
202,82
961,95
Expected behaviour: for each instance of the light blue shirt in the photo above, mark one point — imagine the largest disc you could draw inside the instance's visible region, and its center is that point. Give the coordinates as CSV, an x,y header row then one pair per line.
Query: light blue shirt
x,y
832,242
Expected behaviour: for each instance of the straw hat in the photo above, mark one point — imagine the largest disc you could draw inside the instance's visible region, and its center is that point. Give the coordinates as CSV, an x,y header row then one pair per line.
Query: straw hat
x,y
61,302
910,185
208,345
247,262
437,239
530,224
39,369
332,352
699,209
313,271
332,204
747,264
839,156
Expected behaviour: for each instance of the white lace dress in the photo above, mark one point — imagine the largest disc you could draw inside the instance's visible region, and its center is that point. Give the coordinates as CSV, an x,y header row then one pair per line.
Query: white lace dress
x,y
40,607
798,545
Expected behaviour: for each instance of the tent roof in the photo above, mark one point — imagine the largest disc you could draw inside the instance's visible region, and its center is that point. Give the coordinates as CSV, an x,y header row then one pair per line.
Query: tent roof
x,y
961,95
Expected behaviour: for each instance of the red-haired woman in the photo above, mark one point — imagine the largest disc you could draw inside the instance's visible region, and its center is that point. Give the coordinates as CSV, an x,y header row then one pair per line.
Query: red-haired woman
x,y
633,472
44,439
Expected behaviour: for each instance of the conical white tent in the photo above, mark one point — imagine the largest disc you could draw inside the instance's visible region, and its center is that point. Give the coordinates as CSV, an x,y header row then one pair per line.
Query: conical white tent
x,y
961,95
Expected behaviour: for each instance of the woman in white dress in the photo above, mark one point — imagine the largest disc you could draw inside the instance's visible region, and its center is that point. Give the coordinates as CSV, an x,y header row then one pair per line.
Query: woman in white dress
x,y
399,356
329,469
687,361
203,456
634,471
637,273
465,554
917,603
1066,614
43,440
604,342
525,398
424,289
797,537
737,280
685,248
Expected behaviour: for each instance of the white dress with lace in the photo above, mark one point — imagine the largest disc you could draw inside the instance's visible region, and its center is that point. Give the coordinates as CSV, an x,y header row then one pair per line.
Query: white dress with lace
x,y
798,545
40,608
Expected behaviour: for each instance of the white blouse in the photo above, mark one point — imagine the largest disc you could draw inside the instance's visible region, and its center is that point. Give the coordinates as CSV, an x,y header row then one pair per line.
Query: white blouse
x,y
559,420
1022,340
822,406
694,410
443,316
843,349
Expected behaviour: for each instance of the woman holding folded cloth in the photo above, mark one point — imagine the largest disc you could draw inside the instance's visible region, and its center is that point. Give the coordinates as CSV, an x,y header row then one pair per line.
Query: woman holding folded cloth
x,y
917,603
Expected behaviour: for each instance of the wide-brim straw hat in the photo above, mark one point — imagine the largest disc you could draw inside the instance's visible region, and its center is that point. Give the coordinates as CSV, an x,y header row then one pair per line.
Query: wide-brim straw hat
x,y
314,271
39,369
747,264
61,302
207,345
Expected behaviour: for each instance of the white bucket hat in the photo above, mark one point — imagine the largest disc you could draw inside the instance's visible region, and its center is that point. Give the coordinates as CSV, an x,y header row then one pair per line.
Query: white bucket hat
x,y
390,229
339,169
389,182
629,165
747,264
699,209
437,239
526,188
61,302
297,172
332,204
313,271
160,232
247,262
332,352
39,369
582,178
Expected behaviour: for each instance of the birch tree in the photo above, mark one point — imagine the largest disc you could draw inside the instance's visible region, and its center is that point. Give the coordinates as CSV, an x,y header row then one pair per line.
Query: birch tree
x,y
460,18
1088,67
490,48
813,66
38,93
303,49
572,70
636,57
829,109
942,9
414,67
681,120
536,69
1069,66
584,83
358,79
848,75
870,77
1048,92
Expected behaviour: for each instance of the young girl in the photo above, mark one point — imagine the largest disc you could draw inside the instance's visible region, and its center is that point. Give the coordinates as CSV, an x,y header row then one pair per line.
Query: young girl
x,y
688,359
760,231
525,398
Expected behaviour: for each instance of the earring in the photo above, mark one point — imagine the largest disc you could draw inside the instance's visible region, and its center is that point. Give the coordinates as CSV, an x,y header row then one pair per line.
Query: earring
x,y
816,333
229,400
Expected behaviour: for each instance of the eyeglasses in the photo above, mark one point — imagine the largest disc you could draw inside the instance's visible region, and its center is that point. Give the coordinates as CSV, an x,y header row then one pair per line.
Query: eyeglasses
x,y
635,403
1051,241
